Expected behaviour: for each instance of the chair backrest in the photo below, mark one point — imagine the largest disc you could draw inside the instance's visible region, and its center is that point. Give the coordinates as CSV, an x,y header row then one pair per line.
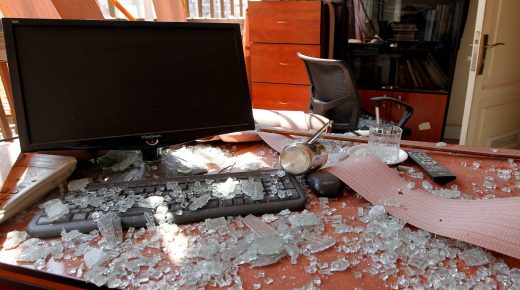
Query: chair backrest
x,y
333,92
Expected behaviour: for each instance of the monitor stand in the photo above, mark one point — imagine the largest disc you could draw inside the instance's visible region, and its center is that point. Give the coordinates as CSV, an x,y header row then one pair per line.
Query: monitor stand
x,y
152,154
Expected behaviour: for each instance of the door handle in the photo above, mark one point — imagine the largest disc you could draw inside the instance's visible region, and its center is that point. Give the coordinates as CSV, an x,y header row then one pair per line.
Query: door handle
x,y
485,47
494,44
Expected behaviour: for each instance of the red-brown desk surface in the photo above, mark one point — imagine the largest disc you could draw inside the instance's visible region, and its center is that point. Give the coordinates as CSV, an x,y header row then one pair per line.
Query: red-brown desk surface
x,y
286,275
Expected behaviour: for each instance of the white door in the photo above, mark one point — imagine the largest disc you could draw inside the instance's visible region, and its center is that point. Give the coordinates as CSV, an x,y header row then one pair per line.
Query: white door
x,y
492,107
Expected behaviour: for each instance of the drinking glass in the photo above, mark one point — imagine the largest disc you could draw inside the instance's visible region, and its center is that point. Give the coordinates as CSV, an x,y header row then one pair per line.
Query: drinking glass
x,y
383,142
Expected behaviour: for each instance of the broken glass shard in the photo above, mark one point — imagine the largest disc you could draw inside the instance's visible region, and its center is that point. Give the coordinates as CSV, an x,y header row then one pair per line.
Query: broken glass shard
x,y
39,264
320,244
225,189
427,185
152,201
506,189
56,210
417,175
14,238
264,260
114,282
410,185
268,245
78,184
131,159
474,257
390,202
109,225
490,184
56,249
269,218
199,202
447,193
33,252
258,226
377,211
213,225
96,277
253,189
94,257
304,219
505,173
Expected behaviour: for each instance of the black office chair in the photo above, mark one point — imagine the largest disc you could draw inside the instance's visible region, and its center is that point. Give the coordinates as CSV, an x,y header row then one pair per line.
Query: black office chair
x,y
333,93
335,96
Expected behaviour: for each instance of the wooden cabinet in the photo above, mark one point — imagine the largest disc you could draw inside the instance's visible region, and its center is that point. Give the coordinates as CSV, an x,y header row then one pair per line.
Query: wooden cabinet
x,y
277,63
277,31
412,57
427,120
273,96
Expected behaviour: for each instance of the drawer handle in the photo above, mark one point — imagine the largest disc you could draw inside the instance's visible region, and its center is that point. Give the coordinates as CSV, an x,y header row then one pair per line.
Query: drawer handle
x,y
283,103
282,22
283,63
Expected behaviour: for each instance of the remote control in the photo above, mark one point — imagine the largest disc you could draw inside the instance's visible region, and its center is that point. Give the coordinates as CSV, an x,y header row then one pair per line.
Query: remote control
x,y
437,172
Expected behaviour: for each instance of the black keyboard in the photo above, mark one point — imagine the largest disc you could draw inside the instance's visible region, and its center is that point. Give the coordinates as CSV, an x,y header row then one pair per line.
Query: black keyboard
x,y
187,198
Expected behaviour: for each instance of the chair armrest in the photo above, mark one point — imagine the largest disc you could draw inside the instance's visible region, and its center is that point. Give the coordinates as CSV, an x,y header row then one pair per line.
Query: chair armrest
x,y
407,114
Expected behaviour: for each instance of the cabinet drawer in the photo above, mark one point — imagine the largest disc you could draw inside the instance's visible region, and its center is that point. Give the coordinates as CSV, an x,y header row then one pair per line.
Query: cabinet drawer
x,y
285,21
281,97
278,63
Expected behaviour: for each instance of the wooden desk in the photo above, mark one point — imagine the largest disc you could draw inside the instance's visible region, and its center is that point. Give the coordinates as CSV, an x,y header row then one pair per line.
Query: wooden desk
x,y
284,274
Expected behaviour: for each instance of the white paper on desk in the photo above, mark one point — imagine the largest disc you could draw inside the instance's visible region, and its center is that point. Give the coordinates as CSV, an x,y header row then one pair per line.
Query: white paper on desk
x,y
292,120
492,223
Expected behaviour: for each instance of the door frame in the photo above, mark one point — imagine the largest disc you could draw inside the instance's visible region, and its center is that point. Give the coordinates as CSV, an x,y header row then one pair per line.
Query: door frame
x,y
475,56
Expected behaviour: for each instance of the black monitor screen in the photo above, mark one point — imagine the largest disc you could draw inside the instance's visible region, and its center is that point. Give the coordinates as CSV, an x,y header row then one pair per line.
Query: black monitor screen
x,y
113,84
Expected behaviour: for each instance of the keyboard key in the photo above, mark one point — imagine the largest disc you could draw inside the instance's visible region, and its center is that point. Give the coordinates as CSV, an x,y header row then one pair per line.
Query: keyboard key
x,y
227,202
63,219
248,200
273,198
212,203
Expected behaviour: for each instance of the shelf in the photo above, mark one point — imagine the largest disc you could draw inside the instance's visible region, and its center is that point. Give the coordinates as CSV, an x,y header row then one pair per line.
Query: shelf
x,y
430,92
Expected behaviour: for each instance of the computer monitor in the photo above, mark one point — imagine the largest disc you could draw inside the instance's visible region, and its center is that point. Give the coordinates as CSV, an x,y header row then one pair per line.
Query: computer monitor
x,y
82,84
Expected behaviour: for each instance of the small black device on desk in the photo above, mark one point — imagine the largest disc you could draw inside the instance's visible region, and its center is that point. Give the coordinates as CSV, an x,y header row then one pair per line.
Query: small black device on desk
x,y
325,184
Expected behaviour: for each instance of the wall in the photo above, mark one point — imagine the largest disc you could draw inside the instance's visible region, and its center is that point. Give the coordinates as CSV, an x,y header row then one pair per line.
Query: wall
x,y
460,78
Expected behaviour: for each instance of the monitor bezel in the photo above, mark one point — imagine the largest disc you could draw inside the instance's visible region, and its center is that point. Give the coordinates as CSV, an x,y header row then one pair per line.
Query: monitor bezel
x,y
136,141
